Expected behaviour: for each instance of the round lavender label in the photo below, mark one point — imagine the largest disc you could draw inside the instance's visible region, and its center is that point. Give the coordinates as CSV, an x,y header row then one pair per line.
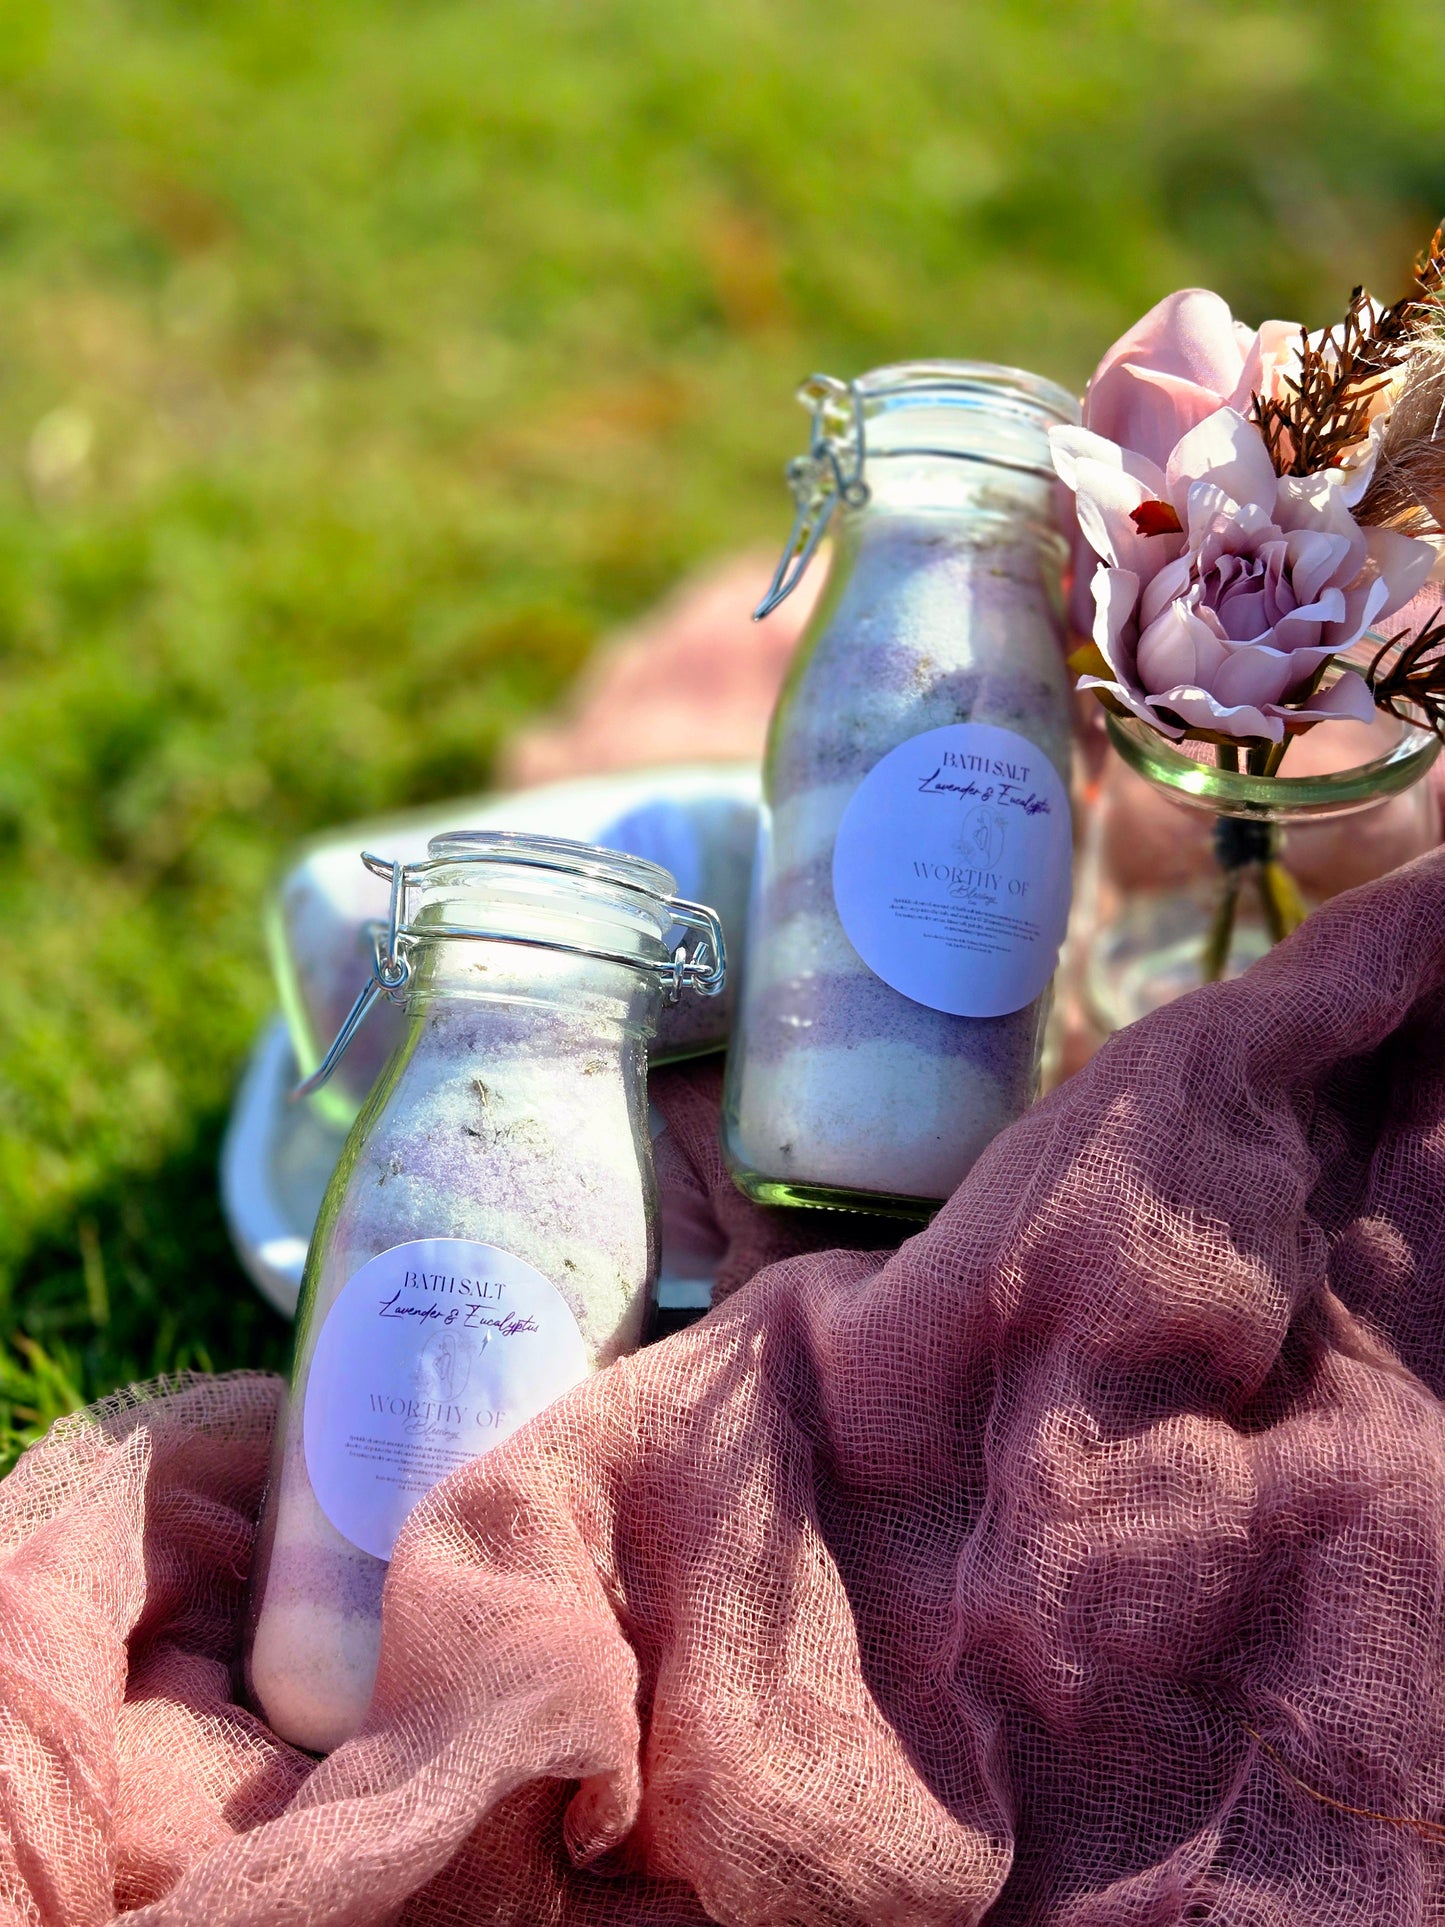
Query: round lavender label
x,y
953,869
433,1353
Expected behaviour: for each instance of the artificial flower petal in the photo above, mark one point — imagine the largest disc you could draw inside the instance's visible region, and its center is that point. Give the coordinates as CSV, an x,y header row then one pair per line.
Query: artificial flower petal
x,y
1127,699
1170,370
1105,499
1348,699
1156,518
1271,353
1404,565
1116,593
1229,452
1178,648
1251,675
1314,556
1070,445
1198,709
1171,581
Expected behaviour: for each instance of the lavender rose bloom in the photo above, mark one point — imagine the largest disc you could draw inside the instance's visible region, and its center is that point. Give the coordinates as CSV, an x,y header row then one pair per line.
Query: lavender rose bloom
x,y
1223,619
1179,363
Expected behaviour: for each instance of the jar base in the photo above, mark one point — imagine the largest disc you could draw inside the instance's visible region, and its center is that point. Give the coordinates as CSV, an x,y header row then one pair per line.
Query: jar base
x,y
830,1197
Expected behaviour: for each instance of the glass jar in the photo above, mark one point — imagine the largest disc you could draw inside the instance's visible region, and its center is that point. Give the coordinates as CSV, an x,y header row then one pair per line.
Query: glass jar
x,y
1190,871
913,875
489,1235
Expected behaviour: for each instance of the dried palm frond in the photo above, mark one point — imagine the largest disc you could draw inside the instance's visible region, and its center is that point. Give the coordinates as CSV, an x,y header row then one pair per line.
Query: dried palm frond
x,y
1412,684
1407,490
1421,311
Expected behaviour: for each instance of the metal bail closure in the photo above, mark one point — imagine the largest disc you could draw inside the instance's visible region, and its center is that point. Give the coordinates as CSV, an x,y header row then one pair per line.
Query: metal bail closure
x,y
390,970
830,472
702,968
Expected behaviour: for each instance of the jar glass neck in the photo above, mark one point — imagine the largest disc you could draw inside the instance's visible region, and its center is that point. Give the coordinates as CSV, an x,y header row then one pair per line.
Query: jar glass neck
x,y
544,988
969,438
964,436
961,484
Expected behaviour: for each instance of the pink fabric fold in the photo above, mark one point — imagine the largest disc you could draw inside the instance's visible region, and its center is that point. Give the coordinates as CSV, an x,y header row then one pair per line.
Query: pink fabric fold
x,y
1020,1574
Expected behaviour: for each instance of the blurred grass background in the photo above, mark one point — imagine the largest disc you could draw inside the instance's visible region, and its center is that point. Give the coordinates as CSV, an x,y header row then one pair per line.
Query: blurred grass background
x,y
362,361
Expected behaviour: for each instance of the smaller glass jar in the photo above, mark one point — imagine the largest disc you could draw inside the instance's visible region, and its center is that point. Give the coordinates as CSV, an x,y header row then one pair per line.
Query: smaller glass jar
x,y
1191,871
489,1236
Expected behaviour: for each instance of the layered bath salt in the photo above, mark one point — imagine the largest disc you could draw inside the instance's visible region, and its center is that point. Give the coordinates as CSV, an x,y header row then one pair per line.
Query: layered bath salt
x,y
488,1239
914,869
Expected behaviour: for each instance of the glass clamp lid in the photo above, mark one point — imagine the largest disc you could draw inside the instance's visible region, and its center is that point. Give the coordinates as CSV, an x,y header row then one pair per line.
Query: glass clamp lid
x,y
917,409
536,889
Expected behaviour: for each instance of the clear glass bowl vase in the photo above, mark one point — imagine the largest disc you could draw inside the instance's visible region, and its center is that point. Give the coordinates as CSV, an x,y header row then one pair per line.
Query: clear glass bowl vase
x,y
1190,871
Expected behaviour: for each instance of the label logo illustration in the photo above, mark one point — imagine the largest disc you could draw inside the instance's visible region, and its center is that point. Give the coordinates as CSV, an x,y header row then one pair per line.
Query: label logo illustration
x,y
984,836
444,1368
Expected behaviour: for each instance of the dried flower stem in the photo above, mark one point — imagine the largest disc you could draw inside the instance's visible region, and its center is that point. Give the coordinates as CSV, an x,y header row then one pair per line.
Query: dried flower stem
x,y
1431,1830
1220,939
1326,411
1279,898
1248,847
1413,684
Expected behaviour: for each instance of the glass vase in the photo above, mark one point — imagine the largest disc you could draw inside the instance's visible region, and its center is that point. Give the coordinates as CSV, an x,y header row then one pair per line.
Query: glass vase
x,y
1190,871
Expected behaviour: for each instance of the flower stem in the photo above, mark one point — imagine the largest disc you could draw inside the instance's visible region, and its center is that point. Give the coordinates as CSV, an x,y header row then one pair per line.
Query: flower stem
x,y
1249,846
1221,929
1279,897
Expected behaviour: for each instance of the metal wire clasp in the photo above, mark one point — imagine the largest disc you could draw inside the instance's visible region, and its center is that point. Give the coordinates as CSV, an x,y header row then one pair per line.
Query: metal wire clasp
x,y
831,472
390,970
701,968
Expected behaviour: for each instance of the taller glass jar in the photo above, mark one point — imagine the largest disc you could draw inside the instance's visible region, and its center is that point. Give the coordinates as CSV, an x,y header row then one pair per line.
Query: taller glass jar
x,y
489,1235
913,875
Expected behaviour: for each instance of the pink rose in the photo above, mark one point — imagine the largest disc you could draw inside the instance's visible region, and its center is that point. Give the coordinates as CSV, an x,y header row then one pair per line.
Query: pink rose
x,y
1254,582
1185,358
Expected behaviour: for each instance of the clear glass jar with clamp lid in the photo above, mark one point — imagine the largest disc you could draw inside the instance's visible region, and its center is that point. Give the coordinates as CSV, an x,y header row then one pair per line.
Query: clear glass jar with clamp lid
x,y
490,1234
914,863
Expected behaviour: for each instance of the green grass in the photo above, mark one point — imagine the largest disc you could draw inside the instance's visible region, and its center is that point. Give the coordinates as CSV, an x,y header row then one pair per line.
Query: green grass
x,y
360,363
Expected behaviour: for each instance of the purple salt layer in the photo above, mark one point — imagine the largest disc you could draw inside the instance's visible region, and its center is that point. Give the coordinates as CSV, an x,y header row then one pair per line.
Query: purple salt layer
x,y
302,1573
828,746
838,750
695,1024
833,1011
504,1030
489,1152
805,890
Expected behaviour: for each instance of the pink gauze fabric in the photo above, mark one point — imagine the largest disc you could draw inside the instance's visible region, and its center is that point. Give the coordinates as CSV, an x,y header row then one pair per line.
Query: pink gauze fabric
x,y
1079,1563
